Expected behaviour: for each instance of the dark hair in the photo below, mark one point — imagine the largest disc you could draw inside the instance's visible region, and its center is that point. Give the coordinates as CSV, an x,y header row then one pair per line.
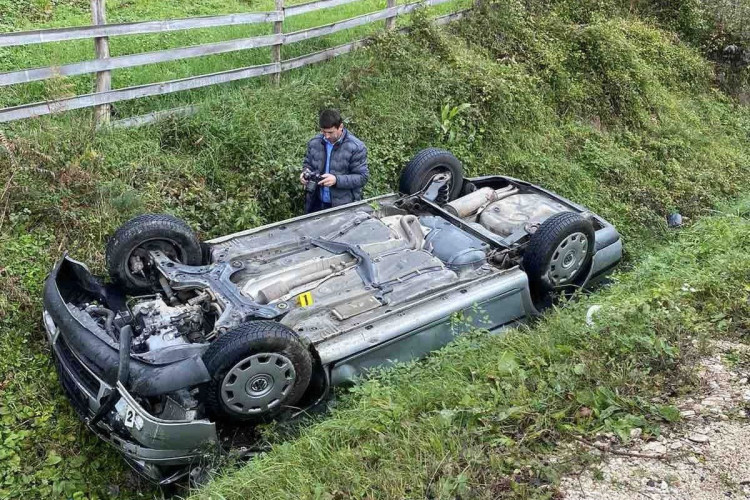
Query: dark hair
x,y
329,118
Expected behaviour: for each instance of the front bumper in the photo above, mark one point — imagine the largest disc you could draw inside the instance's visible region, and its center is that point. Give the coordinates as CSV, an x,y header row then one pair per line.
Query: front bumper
x,y
157,448
607,254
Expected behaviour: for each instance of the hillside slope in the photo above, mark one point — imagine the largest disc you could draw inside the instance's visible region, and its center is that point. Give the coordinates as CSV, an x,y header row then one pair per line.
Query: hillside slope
x,y
604,107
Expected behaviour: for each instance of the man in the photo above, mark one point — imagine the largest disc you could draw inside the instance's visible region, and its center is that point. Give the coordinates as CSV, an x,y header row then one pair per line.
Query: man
x,y
341,161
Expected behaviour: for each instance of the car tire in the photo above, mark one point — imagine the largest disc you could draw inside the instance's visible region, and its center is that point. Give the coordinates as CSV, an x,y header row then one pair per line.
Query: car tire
x,y
257,370
559,253
150,231
427,163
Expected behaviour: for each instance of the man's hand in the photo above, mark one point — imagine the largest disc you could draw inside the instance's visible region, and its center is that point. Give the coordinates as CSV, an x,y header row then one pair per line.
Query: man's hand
x,y
327,180
302,179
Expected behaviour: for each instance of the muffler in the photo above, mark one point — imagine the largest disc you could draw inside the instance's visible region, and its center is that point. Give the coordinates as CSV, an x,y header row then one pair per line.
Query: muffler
x,y
473,202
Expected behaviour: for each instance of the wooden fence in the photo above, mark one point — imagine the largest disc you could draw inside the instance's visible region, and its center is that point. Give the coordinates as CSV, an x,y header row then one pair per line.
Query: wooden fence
x,y
100,31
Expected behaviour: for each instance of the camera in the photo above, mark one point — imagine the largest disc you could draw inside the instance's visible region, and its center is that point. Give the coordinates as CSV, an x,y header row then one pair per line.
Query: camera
x,y
312,179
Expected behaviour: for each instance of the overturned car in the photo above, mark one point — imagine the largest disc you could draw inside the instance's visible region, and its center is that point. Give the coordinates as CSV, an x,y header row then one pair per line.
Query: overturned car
x,y
187,336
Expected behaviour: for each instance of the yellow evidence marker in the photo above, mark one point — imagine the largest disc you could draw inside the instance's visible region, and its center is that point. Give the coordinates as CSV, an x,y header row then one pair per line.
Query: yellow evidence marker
x,y
305,299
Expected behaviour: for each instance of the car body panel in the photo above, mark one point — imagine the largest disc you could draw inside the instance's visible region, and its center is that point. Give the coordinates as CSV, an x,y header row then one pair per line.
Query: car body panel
x,y
505,296
417,339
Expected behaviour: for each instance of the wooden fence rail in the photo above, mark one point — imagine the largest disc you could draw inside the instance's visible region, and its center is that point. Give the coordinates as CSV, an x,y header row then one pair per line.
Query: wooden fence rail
x,y
103,97
143,59
82,32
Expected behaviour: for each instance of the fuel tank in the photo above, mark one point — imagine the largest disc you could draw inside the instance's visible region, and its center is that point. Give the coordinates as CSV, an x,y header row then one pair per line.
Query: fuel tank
x,y
515,212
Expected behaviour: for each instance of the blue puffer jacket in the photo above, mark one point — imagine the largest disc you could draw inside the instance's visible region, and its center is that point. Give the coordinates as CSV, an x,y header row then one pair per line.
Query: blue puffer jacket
x,y
348,164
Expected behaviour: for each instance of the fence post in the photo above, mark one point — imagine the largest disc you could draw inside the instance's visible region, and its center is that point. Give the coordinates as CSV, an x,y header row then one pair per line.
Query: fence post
x,y
278,28
103,78
390,22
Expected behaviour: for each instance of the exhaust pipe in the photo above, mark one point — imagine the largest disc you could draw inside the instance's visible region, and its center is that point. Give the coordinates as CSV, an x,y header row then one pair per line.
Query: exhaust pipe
x,y
473,202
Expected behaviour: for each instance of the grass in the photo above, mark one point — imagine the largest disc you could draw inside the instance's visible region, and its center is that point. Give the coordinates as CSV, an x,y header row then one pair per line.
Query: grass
x,y
604,107
480,418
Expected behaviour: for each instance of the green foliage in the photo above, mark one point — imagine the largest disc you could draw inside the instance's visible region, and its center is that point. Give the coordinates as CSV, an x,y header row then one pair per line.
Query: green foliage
x,y
450,123
35,10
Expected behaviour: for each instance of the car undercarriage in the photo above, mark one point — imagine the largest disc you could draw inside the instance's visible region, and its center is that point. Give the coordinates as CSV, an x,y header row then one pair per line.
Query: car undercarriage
x,y
188,335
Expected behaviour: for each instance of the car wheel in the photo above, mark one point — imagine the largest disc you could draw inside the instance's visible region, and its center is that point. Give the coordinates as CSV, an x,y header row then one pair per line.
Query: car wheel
x,y
127,249
559,253
427,164
257,370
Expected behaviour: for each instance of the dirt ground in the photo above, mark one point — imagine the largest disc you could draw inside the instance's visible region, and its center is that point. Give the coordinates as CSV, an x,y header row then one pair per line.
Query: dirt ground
x,y
705,456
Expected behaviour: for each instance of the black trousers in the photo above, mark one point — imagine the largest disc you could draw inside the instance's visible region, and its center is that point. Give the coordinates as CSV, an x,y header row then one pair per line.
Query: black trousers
x,y
314,204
